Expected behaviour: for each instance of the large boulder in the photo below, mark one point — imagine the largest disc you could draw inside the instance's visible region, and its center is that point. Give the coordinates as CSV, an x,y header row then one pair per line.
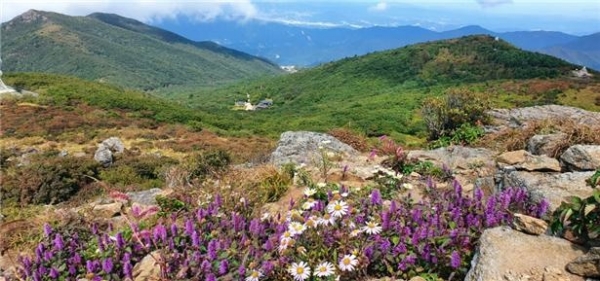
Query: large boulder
x,y
554,187
517,117
457,157
307,148
523,160
146,197
581,158
544,144
104,153
507,254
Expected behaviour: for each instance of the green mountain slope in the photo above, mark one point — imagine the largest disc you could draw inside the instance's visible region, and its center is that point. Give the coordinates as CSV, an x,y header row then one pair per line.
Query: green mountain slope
x,y
382,92
112,49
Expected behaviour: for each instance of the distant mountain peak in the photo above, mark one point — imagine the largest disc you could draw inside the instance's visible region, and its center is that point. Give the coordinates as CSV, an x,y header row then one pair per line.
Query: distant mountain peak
x,y
31,16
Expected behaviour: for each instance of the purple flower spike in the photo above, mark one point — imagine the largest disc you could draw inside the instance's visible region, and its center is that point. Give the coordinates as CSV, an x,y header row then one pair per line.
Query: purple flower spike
x,y
223,267
120,241
455,260
47,230
59,244
376,197
89,265
107,265
54,273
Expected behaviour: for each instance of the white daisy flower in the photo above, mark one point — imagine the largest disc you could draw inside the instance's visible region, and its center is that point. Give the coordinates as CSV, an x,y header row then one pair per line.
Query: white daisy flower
x,y
296,228
324,269
254,275
309,204
327,219
348,262
321,184
286,235
372,228
284,243
300,271
337,208
355,232
311,222
310,192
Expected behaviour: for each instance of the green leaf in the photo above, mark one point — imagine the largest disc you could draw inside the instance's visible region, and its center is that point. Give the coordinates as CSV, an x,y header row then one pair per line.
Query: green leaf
x,y
395,240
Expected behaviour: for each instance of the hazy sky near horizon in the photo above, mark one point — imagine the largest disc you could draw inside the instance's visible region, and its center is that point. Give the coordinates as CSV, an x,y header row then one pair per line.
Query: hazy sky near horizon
x,y
576,17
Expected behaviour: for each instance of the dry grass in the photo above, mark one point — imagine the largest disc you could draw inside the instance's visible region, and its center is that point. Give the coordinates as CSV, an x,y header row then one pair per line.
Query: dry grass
x,y
351,138
516,139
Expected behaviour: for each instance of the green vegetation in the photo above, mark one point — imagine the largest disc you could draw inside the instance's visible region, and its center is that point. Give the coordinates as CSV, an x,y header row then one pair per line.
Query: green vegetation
x,y
382,93
101,49
581,215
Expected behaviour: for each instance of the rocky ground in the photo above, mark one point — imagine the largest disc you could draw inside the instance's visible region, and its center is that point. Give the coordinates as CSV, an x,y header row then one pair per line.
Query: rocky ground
x,y
525,252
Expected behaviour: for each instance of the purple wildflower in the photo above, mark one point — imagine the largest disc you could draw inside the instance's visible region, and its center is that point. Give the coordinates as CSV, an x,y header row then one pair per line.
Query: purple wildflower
x,y
107,265
54,273
47,230
59,244
120,240
376,197
223,267
455,260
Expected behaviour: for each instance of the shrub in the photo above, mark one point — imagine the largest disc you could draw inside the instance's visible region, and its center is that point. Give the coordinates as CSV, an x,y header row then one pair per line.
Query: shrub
x,y
48,180
444,115
351,138
204,164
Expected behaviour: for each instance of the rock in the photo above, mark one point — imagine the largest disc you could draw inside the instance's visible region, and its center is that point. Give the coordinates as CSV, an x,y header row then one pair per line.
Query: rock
x,y
63,153
106,149
516,117
456,157
103,156
529,224
544,144
581,158
114,144
146,197
504,252
148,268
587,265
523,160
554,274
108,210
303,147
554,187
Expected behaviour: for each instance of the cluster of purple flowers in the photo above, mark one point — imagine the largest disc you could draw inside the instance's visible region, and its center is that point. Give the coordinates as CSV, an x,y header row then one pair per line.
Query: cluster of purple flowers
x,y
438,234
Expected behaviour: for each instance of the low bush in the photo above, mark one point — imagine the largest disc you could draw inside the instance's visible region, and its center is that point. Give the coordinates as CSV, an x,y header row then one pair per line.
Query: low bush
x,y
457,108
48,180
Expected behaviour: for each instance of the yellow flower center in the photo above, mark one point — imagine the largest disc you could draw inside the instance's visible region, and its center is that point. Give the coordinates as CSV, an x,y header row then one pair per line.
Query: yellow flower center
x,y
254,274
322,269
338,207
299,270
371,225
346,261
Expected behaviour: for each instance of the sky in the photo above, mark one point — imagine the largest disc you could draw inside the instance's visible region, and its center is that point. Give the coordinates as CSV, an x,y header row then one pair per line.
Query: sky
x,y
571,16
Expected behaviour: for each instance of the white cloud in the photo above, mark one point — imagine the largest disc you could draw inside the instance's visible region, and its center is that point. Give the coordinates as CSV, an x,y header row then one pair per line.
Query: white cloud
x,y
492,3
379,7
143,10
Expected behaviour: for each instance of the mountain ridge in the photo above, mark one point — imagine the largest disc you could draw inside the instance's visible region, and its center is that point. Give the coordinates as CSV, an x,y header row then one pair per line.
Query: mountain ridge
x,y
139,58
357,41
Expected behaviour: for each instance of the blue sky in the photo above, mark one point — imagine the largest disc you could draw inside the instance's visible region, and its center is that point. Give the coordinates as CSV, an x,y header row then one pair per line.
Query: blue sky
x,y
576,17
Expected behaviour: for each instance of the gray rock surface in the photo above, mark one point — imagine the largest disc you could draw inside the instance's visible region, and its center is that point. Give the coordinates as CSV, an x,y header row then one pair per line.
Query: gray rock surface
x,y
457,156
103,156
146,197
303,147
544,144
106,149
554,187
114,144
504,253
523,160
581,157
587,265
518,116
